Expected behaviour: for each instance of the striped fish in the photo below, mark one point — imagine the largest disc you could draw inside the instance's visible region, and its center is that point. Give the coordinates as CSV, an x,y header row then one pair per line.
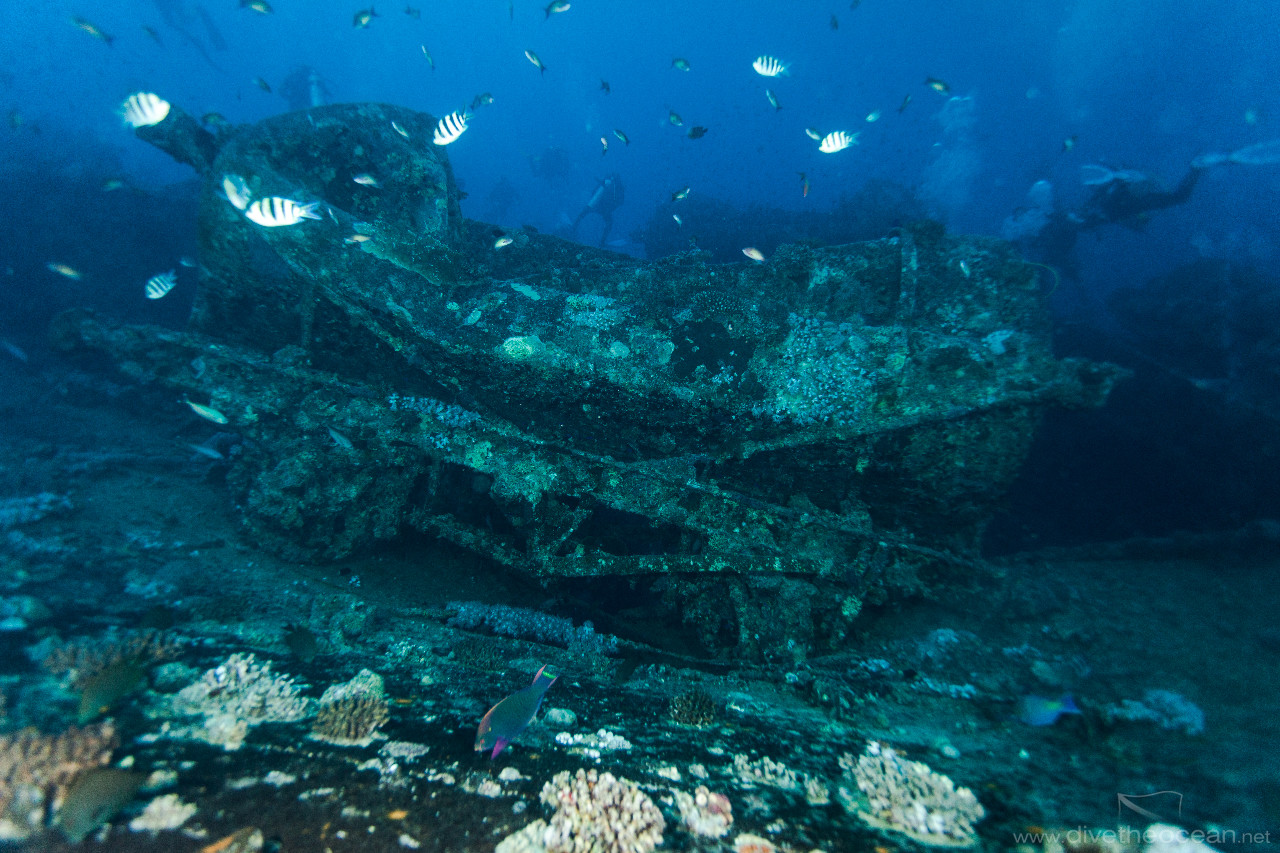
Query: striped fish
x,y
143,109
450,128
274,211
768,66
159,285
837,141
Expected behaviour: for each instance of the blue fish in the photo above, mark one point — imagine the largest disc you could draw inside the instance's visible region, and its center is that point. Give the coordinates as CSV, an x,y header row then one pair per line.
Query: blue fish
x,y
1039,711
506,720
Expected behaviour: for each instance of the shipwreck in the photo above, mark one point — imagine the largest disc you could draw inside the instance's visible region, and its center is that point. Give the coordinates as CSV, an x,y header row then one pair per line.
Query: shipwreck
x,y
762,447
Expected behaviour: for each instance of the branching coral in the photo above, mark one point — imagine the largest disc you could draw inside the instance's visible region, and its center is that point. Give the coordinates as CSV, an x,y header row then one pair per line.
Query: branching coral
x,y
908,797
235,695
37,770
18,511
352,721
350,714
694,707
599,813
81,660
704,813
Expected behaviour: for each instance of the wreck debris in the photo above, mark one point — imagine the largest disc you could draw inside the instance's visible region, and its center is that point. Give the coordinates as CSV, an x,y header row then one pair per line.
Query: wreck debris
x,y
844,418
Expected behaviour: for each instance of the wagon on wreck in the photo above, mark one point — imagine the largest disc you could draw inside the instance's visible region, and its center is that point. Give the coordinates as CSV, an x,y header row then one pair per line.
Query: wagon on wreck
x,y
762,447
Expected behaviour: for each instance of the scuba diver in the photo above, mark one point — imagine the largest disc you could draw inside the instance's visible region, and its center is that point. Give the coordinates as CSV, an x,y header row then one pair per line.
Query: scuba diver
x,y
606,199
1124,197
305,88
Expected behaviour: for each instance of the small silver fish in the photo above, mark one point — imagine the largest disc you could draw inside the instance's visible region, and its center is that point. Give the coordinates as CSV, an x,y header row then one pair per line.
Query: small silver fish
x,y
939,86
208,412
236,190
678,220
674,118
426,53
683,192
533,57
773,99
341,440
93,30
400,130
364,179
159,285
65,271
13,350
556,6
754,254
363,18
502,242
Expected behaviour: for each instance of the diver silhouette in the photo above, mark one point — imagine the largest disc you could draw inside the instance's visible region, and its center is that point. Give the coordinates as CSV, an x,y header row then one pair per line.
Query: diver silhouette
x,y
604,201
1125,197
1118,197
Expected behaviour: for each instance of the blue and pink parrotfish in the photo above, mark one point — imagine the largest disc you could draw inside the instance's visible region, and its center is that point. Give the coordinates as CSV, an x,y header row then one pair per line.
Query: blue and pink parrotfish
x,y
1038,711
506,720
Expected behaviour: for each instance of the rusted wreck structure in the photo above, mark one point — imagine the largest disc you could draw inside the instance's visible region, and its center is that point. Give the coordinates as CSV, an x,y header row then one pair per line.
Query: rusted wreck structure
x,y
763,446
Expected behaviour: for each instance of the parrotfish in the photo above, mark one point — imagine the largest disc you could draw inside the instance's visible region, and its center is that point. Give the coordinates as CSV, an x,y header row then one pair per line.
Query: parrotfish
x,y
1039,711
506,720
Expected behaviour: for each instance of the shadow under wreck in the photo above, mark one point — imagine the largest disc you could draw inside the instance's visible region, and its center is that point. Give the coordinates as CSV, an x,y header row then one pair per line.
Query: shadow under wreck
x,y
770,445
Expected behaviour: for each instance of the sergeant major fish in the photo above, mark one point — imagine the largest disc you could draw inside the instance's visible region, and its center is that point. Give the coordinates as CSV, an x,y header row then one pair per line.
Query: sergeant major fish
x,y
273,212
159,285
768,66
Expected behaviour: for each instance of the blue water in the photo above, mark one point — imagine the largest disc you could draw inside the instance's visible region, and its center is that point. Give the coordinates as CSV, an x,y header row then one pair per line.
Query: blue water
x,y
1148,86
